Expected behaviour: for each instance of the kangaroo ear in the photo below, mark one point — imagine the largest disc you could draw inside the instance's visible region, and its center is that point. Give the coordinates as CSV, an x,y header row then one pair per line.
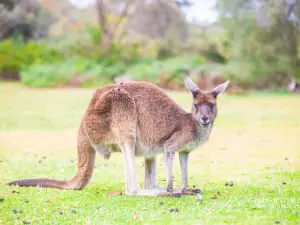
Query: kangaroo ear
x,y
191,86
222,87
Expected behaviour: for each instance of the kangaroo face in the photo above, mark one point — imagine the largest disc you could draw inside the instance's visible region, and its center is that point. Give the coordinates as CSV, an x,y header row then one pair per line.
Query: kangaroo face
x,y
204,108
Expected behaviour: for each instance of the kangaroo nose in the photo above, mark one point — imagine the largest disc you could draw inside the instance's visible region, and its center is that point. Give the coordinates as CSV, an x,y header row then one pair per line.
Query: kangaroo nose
x,y
204,120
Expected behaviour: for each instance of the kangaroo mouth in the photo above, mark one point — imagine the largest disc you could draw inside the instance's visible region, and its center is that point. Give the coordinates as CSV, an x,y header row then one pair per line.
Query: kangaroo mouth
x,y
205,124
205,121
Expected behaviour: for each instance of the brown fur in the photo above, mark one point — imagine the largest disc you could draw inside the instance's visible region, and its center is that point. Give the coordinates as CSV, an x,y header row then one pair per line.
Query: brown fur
x,y
136,114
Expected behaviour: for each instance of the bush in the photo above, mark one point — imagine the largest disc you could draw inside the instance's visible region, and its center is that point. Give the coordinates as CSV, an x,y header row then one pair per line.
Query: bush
x,y
170,70
96,75
298,74
15,55
47,75
114,70
176,66
90,47
91,73
54,74
146,70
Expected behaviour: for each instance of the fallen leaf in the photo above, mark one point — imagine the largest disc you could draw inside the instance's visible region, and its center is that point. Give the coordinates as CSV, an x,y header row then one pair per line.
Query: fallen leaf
x,y
114,193
162,211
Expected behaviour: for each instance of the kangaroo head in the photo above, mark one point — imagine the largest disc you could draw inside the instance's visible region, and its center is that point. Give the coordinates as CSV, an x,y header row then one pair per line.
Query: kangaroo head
x,y
204,108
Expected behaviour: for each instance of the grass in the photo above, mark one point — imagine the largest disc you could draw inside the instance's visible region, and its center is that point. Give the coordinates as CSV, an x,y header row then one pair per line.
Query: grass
x,y
254,143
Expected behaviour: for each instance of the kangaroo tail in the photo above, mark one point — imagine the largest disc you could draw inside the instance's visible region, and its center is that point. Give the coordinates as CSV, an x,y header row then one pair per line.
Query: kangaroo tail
x,y
39,182
86,160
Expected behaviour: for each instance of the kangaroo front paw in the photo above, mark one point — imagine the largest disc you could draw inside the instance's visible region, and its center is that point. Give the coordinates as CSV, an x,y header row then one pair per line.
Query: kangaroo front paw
x,y
154,193
170,194
133,191
144,193
191,191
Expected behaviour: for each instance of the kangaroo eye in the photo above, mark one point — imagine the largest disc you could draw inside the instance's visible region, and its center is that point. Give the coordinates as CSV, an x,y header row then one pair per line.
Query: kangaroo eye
x,y
211,106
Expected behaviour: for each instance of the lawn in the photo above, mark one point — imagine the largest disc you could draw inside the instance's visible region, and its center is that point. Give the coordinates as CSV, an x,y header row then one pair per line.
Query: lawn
x,y
255,143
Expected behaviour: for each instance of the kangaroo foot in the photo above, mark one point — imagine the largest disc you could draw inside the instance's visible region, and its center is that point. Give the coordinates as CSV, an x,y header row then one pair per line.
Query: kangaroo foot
x,y
191,191
154,193
170,194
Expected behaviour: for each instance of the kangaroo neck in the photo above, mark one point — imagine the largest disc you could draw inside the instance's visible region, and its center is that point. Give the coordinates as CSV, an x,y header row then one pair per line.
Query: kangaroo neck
x,y
202,132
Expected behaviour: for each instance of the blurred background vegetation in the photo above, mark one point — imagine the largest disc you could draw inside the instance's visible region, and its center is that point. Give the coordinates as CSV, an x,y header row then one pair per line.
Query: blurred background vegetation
x,y
48,43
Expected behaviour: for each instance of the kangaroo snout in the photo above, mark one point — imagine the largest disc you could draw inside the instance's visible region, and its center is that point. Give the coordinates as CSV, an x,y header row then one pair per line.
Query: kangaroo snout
x,y
204,120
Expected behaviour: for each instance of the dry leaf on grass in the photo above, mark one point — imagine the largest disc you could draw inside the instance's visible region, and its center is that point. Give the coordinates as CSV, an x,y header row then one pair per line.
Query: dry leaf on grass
x,y
114,193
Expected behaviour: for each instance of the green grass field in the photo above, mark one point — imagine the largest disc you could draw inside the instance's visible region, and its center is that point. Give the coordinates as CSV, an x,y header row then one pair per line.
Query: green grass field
x,y
255,143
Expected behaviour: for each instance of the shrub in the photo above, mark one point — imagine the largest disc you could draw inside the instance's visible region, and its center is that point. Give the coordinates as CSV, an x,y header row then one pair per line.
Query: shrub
x,y
59,74
146,70
46,75
95,76
175,66
169,70
54,74
15,55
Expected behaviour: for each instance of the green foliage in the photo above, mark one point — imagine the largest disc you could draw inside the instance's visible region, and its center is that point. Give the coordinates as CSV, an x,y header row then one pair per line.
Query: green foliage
x,y
146,70
98,74
61,73
115,70
94,34
47,75
89,46
169,70
53,74
251,70
17,55
176,68
175,64
297,71
298,74
265,46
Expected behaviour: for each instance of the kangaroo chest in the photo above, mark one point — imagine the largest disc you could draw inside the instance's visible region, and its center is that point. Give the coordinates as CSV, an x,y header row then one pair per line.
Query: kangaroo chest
x,y
148,150
201,137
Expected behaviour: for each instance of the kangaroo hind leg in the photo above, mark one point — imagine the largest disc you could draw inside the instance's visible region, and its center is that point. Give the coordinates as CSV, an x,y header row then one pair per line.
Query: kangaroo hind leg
x,y
150,173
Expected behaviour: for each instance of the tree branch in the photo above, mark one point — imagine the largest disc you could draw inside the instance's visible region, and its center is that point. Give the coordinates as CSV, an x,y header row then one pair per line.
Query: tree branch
x,y
120,29
102,19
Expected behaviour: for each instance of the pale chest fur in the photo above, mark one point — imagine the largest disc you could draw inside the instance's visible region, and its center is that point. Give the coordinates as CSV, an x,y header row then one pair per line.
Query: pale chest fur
x,y
150,150
200,138
147,151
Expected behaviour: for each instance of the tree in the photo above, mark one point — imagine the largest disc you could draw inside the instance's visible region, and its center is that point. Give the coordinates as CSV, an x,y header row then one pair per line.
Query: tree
x,y
135,15
160,20
117,18
103,10
263,34
26,18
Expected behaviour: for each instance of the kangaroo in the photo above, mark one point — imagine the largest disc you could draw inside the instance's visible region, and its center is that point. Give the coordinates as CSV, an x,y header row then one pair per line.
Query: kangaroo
x,y
138,119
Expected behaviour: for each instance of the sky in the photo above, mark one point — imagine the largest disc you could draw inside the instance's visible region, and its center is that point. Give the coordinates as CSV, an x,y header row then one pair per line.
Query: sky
x,y
202,10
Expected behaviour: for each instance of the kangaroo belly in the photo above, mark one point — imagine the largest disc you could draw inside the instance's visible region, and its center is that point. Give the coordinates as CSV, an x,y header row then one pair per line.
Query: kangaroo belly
x,y
140,150
147,151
